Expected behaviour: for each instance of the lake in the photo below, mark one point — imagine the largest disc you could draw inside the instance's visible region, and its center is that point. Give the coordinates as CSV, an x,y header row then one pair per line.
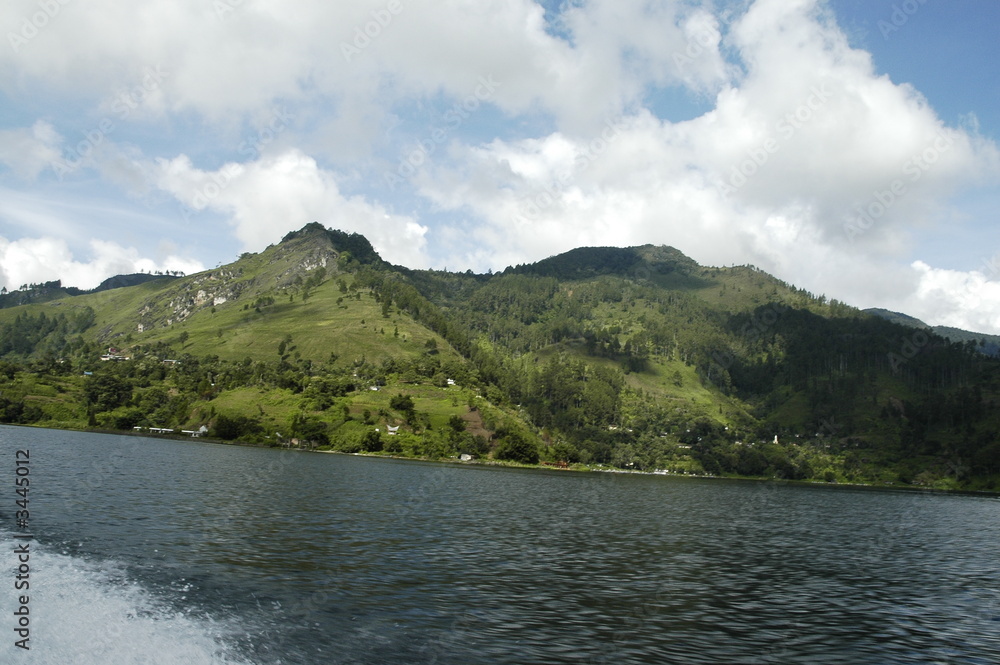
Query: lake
x,y
162,551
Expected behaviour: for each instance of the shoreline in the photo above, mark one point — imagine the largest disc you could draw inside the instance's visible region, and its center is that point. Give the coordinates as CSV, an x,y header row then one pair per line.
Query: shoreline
x,y
535,467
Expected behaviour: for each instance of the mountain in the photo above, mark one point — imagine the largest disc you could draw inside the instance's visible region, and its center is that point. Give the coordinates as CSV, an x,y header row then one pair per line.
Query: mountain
x,y
896,317
36,293
636,358
39,293
121,281
983,343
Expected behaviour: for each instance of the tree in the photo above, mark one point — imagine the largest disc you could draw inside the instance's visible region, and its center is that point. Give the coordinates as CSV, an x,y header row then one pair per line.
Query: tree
x,y
283,345
107,391
8,369
456,424
229,428
372,441
515,447
401,402
565,452
313,430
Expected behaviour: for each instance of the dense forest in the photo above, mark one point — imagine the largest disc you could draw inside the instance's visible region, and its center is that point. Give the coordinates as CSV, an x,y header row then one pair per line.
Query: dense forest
x,y
633,358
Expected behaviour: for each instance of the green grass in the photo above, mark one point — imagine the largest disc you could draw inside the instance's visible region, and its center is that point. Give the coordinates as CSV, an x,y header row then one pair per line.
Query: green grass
x,y
59,397
276,407
353,330
692,397
329,321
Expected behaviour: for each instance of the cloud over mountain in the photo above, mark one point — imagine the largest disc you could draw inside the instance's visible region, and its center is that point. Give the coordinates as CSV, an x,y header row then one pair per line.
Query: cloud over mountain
x,y
760,134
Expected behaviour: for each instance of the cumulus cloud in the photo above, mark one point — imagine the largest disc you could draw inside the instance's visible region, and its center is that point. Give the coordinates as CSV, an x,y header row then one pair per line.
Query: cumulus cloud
x,y
967,300
228,58
281,192
45,259
28,151
808,163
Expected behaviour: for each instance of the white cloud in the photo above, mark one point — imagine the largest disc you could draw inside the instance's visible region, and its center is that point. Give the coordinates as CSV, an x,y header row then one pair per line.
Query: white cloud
x,y
229,58
281,192
28,151
45,259
773,175
967,300
809,164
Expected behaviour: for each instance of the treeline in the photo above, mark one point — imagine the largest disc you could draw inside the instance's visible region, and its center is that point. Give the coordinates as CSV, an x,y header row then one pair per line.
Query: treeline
x,y
839,367
568,345
42,335
46,291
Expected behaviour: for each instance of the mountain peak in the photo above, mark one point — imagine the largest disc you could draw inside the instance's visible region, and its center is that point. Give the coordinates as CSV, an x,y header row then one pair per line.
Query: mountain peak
x,y
896,317
355,244
584,262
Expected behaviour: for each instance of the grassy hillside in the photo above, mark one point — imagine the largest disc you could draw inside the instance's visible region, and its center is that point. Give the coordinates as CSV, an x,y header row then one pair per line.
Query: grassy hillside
x,y
300,292
633,357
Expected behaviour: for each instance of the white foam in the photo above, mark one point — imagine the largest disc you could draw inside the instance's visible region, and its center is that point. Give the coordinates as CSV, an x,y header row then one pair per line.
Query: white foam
x,y
87,613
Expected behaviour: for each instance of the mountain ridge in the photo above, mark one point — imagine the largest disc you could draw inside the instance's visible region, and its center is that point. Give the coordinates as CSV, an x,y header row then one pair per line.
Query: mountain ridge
x,y
638,358
39,293
984,342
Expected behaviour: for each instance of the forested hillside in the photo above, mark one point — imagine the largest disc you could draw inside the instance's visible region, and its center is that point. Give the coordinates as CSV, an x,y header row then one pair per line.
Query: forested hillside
x,y
986,344
636,358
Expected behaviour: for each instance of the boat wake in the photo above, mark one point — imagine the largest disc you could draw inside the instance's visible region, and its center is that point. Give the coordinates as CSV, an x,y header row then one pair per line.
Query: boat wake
x,y
89,612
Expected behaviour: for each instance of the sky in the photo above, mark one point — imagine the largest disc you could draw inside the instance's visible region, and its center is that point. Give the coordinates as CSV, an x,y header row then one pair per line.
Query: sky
x,y
849,147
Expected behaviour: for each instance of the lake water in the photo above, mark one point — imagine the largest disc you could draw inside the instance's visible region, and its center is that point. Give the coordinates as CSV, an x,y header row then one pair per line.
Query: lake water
x,y
159,551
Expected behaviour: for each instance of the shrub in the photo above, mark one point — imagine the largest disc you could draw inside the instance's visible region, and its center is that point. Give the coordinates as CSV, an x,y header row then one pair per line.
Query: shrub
x,y
229,428
401,402
516,448
313,430
372,442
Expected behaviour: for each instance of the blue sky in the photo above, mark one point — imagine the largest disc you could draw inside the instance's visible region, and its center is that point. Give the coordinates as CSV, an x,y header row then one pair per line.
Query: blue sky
x,y
847,146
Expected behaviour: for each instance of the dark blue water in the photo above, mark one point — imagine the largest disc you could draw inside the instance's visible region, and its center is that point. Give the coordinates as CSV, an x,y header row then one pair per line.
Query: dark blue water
x,y
158,551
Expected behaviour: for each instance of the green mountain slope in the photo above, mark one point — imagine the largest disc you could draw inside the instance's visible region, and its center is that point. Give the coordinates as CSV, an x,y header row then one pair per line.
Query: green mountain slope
x,y
303,289
39,293
633,357
982,342
896,317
